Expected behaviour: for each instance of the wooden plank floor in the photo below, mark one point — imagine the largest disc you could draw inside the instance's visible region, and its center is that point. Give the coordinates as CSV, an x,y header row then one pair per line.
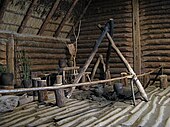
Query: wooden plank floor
x,y
86,113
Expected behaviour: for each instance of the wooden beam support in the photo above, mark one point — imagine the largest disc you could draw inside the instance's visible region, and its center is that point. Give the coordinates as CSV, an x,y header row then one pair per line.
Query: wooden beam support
x,y
50,14
81,16
109,46
95,49
10,54
57,32
136,37
59,94
3,8
27,16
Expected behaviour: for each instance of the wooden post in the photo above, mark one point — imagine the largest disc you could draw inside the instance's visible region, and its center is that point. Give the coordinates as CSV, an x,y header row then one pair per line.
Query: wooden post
x,y
124,81
146,79
133,92
95,49
10,56
136,37
59,94
42,95
163,81
35,84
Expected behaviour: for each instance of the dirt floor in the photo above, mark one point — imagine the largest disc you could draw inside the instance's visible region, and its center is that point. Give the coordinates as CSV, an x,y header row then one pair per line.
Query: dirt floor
x,y
93,109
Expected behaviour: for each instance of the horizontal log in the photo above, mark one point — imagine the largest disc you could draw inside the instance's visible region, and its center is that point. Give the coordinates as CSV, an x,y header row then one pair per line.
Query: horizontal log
x,y
95,31
40,44
155,36
3,55
156,59
154,26
6,34
104,16
44,61
156,41
63,86
116,35
155,31
117,40
157,53
2,61
153,47
156,64
126,54
147,4
41,50
3,42
45,56
104,50
43,67
92,25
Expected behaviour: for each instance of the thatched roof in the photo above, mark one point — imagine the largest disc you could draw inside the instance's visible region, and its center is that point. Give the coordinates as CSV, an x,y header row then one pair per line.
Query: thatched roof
x,y
41,17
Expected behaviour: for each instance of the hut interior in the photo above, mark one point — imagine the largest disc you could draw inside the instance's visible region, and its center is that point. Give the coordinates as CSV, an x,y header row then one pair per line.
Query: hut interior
x,y
84,63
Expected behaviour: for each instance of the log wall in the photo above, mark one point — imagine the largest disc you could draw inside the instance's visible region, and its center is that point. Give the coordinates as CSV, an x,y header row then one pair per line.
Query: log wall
x,y
3,51
99,12
42,52
155,34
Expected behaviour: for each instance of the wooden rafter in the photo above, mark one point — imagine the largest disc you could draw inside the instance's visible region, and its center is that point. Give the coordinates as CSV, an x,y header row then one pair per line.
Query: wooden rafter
x,y
3,8
50,14
27,16
57,32
81,16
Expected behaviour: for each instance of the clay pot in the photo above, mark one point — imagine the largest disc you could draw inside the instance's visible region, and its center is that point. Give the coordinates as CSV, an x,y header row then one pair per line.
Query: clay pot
x,y
27,83
6,79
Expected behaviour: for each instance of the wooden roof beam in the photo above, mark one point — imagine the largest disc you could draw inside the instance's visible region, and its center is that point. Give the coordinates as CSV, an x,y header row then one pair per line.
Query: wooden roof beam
x,y
57,32
3,8
81,16
27,16
50,14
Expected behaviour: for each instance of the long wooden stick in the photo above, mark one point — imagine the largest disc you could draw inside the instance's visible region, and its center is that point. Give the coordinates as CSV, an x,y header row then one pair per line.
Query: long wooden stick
x,y
135,79
59,86
95,49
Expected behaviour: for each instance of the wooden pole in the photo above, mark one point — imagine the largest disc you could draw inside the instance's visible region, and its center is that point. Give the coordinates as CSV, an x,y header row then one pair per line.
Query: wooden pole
x,y
124,81
126,63
133,92
62,86
95,49
10,51
95,68
69,85
136,37
163,81
135,79
109,46
35,84
59,94
42,95
146,80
